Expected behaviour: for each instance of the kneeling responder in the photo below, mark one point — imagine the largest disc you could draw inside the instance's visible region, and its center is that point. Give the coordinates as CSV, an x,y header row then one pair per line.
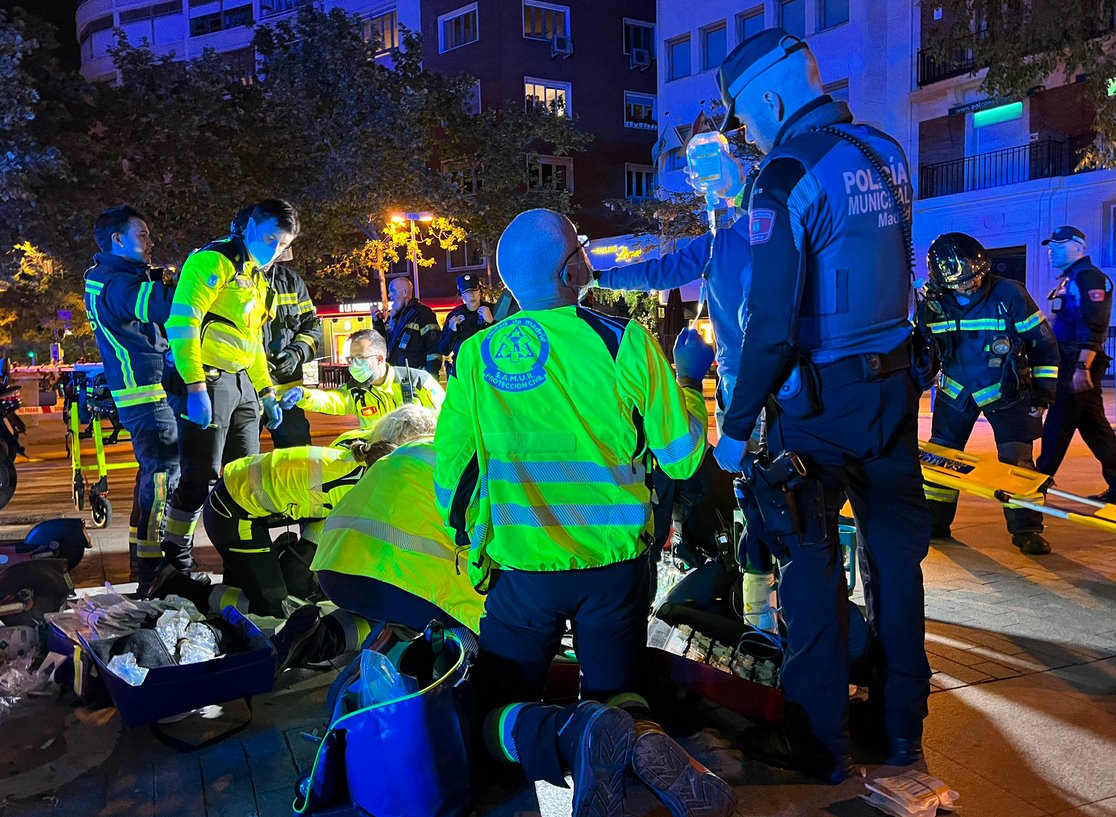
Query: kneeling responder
x,y
374,387
999,358
541,463
384,555
220,376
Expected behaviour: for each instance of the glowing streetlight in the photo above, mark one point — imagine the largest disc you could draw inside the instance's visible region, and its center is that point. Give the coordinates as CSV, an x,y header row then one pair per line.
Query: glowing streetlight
x,y
424,216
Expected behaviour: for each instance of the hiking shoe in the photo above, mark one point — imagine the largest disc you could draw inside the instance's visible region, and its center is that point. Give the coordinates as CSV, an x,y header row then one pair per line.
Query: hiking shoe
x,y
1031,544
297,638
686,787
604,751
777,746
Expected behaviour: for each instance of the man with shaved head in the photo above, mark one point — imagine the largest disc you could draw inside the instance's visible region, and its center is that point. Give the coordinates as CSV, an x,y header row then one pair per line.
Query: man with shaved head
x,y
827,335
541,472
411,329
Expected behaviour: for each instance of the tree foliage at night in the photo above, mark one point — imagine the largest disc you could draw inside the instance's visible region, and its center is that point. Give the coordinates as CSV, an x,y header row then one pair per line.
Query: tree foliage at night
x,y
329,122
1023,42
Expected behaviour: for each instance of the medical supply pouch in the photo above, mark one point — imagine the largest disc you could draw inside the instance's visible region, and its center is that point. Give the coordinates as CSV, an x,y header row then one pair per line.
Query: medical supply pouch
x,y
406,757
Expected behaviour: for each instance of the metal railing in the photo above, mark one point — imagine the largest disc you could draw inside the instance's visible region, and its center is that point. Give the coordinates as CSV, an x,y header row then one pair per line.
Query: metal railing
x,y
933,69
1037,160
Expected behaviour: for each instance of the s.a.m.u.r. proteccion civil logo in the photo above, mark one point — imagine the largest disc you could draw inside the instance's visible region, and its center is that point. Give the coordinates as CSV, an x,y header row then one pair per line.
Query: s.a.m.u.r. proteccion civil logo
x,y
513,353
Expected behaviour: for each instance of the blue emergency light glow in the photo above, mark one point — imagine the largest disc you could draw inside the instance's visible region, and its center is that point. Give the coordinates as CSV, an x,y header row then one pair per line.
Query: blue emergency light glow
x,y
1001,113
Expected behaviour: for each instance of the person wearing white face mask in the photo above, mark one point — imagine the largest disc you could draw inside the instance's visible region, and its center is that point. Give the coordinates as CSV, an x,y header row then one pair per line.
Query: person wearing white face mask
x,y
374,387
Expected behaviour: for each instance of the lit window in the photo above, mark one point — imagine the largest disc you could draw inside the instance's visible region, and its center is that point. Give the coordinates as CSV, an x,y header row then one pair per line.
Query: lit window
x,y
749,23
713,42
550,173
242,64
638,34
457,28
384,30
639,110
793,17
547,93
678,58
466,255
639,181
543,21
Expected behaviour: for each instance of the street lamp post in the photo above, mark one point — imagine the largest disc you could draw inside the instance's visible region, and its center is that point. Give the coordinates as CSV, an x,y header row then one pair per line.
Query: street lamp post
x,y
423,216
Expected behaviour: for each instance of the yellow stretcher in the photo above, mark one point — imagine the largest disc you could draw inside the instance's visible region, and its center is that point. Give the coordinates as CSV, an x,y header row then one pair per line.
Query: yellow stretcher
x,y
1011,485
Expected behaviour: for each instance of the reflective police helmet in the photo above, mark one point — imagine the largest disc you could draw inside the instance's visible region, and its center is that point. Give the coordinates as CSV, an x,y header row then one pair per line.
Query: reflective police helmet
x,y
956,259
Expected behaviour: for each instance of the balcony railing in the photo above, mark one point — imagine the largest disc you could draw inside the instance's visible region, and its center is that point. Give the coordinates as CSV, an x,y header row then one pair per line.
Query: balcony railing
x,y
997,168
933,69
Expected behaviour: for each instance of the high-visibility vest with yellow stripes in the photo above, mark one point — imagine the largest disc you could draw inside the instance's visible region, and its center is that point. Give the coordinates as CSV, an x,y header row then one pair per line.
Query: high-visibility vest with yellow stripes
x,y
369,402
304,482
543,439
388,528
218,314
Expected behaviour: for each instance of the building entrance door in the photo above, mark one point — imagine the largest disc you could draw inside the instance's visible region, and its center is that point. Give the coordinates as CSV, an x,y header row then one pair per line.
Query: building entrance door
x,y
1009,262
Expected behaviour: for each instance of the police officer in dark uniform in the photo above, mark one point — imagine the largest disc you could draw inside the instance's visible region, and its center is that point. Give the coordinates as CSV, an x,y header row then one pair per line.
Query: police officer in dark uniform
x,y
1081,305
827,329
999,358
466,320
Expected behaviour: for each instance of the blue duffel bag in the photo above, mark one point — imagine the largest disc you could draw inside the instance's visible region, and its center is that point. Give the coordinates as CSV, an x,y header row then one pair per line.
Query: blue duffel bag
x,y
405,757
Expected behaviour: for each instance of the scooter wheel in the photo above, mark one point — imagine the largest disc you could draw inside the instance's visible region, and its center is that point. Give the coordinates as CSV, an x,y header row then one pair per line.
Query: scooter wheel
x,y
101,511
7,479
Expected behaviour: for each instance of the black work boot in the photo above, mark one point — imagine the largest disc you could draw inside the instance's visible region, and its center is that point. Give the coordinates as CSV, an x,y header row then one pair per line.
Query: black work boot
x,y
1031,543
686,787
785,747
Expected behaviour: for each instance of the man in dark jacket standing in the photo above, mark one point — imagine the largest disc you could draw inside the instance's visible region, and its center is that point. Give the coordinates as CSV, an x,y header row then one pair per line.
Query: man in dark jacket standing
x,y
127,302
464,321
1081,306
292,337
411,329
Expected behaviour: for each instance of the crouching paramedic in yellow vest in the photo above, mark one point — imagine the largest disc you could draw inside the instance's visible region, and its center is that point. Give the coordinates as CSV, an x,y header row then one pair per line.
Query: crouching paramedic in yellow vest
x,y
374,387
541,472
284,487
384,554
220,375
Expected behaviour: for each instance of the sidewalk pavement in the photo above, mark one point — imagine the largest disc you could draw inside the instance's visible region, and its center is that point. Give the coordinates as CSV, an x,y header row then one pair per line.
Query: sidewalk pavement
x,y
1022,715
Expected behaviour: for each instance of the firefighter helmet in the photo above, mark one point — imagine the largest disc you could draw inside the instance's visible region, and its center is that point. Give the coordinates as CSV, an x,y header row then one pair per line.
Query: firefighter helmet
x,y
956,259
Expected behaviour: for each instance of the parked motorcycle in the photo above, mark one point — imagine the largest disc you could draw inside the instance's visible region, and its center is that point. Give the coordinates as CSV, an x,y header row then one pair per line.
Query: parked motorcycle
x,y
11,427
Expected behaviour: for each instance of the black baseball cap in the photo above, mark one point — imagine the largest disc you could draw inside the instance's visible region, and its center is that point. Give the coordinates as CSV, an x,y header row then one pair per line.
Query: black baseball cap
x,y
467,281
1066,233
747,61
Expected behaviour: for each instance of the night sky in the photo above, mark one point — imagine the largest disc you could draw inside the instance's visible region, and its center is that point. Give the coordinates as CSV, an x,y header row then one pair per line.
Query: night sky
x,y
61,14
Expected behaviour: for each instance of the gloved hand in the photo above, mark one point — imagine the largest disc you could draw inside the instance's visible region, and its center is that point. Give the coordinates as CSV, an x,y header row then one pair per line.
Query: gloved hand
x,y
289,400
729,453
273,413
199,408
286,366
692,355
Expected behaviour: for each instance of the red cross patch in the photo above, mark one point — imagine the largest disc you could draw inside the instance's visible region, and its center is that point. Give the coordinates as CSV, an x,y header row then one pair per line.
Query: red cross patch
x,y
1096,294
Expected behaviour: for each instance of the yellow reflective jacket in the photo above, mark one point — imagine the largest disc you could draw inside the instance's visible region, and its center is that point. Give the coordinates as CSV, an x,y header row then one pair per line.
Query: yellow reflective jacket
x,y
370,402
387,528
304,482
543,440
218,314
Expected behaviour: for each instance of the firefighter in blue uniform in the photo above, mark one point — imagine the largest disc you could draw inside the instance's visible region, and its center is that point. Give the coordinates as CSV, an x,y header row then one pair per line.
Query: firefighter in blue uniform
x,y
999,358
1081,305
827,330
127,301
